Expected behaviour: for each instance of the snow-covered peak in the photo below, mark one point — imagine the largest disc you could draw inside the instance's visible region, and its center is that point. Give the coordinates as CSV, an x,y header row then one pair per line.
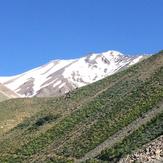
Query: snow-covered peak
x,y
60,76
112,53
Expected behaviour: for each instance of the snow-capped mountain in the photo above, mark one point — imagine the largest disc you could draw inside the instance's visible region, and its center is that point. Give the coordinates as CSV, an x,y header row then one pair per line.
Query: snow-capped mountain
x,y
61,76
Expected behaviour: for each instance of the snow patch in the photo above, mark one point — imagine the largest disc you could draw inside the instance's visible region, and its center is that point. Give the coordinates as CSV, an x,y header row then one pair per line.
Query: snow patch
x,y
136,60
57,83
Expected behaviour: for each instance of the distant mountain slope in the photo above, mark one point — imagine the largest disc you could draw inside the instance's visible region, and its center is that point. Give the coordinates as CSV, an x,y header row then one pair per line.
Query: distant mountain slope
x,y
6,93
71,128
60,76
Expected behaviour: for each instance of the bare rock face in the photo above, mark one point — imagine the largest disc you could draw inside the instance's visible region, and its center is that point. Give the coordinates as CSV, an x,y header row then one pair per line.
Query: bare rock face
x,y
151,153
61,76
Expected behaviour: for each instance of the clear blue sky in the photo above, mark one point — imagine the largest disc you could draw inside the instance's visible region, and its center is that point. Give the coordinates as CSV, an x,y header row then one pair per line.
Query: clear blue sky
x,y
32,32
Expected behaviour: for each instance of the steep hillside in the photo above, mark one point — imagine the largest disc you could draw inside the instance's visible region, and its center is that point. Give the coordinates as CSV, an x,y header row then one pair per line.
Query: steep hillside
x,y
61,76
6,93
104,121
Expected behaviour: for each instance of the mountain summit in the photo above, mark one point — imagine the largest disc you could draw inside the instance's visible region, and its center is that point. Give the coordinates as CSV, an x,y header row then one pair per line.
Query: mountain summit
x,y
61,76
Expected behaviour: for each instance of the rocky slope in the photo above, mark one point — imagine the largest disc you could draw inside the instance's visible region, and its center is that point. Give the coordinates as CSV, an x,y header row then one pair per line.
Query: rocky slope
x,y
150,153
61,76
